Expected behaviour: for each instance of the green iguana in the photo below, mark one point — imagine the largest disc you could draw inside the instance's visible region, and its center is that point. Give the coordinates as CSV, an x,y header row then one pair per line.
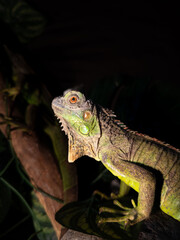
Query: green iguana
x,y
95,132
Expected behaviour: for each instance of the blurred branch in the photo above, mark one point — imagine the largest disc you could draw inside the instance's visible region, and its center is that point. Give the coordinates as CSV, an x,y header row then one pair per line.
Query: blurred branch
x,y
38,162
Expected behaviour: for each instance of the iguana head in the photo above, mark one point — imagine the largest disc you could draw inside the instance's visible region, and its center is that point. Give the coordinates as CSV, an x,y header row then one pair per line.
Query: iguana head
x,y
79,121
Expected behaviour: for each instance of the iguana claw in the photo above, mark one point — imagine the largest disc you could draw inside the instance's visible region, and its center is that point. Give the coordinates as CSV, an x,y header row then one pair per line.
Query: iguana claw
x,y
130,214
102,195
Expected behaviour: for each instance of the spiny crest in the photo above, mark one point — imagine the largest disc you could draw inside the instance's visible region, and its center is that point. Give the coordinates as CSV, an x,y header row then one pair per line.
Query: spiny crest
x,y
63,125
109,118
110,123
154,140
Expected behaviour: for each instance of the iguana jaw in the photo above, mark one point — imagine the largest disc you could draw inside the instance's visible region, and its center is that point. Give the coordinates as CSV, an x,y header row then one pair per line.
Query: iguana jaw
x,y
58,110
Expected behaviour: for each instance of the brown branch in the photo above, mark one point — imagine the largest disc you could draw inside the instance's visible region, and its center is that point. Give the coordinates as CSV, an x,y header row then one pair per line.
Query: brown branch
x,y
39,164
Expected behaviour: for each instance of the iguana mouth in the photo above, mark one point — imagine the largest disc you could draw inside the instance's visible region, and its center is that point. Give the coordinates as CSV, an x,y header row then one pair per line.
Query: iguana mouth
x,y
57,104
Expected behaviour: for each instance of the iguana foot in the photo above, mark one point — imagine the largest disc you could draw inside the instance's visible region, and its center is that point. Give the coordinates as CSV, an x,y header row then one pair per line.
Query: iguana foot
x,y
131,215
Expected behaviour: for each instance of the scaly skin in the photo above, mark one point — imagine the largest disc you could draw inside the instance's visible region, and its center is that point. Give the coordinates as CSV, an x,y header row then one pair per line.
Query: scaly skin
x,y
94,131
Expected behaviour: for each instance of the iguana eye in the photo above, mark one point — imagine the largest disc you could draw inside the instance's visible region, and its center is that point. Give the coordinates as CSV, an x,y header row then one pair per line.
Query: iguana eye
x,y
87,115
73,99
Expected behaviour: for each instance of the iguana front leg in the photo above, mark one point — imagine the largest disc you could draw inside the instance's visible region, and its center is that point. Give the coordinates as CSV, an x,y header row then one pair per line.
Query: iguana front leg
x,y
140,180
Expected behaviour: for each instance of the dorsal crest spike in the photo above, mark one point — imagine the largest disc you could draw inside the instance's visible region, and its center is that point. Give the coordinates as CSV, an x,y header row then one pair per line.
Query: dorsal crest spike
x,y
108,112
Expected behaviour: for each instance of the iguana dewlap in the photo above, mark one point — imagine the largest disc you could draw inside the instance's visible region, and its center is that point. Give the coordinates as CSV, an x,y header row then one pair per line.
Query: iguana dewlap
x,y
94,131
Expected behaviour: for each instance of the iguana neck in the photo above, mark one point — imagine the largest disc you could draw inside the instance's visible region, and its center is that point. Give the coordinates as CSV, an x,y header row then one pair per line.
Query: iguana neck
x,y
84,145
114,136
109,125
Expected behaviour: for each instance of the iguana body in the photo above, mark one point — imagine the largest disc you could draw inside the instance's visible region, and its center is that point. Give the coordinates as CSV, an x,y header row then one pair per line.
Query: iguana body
x,y
94,131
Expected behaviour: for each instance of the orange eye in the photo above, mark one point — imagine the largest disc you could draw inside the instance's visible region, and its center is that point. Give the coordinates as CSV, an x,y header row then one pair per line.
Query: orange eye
x,y
73,99
87,115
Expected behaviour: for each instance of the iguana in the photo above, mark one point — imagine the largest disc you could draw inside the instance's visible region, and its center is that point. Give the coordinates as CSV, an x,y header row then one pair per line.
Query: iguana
x,y
94,131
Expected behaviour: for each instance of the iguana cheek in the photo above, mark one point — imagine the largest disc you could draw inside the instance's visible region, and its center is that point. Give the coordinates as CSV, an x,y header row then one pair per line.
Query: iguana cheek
x,y
84,129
